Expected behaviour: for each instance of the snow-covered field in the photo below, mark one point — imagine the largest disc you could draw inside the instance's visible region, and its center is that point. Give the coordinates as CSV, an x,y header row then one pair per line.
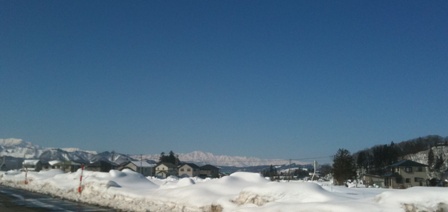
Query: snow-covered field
x,y
130,191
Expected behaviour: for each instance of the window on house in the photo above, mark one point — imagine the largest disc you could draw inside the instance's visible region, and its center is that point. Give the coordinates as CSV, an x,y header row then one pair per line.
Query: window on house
x,y
182,170
420,169
408,180
408,169
188,170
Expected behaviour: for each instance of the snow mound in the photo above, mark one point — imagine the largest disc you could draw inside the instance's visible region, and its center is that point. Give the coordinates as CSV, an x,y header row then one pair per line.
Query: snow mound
x,y
115,173
185,182
243,192
244,177
416,199
282,192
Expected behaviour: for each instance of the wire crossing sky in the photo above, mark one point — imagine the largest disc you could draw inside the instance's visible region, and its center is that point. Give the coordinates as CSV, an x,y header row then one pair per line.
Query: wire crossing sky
x,y
270,79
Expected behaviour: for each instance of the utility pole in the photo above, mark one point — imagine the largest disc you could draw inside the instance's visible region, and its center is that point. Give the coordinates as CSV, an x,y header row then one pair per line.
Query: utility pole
x,y
141,163
315,167
3,162
289,170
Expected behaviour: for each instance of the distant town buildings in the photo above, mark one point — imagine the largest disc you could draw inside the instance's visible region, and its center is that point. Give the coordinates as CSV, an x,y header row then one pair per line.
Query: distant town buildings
x,y
161,170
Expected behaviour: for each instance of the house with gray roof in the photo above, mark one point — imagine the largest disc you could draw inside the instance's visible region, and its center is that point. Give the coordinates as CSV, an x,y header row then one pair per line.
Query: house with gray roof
x,y
188,170
142,167
405,174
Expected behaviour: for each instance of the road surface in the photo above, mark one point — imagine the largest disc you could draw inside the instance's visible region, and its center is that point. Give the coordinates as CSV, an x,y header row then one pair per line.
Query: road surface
x,y
13,200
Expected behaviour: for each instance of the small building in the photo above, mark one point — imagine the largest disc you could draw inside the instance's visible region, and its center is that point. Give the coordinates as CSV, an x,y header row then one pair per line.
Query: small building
x,y
142,167
164,170
208,171
100,166
10,163
188,170
372,180
65,166
405,174
35,165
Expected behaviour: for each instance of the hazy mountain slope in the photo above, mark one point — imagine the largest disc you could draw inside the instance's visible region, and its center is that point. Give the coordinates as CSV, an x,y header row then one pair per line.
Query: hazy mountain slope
x,y
20,149
202,158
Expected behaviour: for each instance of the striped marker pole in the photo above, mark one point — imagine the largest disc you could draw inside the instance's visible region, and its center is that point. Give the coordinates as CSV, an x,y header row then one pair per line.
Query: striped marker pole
x,y
80,179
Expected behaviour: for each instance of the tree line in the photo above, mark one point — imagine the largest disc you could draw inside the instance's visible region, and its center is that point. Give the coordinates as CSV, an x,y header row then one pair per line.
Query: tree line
x,y
374,159
170,158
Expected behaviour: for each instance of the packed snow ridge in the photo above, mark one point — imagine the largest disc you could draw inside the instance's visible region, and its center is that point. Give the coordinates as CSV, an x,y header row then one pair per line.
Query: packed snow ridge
x,y
244,192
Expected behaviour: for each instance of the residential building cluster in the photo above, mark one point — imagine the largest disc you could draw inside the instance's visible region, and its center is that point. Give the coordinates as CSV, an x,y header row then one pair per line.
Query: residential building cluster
x,y
160,170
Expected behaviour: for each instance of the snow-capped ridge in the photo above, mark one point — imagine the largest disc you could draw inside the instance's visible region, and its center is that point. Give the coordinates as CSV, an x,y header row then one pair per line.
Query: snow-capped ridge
x,y
13,142
202,158
20,149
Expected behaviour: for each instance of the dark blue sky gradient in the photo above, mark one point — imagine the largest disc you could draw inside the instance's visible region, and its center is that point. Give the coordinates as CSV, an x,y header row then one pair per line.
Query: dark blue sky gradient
x,y
271,79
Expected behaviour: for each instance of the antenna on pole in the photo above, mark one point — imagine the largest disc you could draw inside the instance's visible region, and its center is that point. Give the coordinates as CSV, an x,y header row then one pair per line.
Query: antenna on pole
x,y
289,170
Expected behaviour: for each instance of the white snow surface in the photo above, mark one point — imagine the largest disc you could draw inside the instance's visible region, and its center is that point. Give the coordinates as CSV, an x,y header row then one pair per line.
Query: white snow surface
x,y
130,191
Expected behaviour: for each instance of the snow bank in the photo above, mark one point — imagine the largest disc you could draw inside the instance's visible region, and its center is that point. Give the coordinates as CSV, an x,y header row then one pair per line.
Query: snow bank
x,y
249,192
416,199
283,192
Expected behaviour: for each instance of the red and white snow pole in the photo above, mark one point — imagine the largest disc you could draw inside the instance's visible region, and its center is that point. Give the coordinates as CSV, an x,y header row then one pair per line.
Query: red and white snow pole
x,y
80,179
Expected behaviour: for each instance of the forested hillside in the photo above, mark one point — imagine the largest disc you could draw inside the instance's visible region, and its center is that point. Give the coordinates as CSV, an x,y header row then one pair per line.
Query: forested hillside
x,y
429,148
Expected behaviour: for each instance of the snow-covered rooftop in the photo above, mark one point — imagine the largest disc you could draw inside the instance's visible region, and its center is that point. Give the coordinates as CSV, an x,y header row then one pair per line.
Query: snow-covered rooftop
x,y
30,162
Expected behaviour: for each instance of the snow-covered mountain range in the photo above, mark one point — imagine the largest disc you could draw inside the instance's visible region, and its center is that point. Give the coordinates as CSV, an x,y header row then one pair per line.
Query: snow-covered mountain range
x,y
17,148
202,158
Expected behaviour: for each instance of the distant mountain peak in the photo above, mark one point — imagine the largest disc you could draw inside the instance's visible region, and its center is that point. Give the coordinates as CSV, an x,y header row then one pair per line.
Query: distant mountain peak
x,y
10,142
18,148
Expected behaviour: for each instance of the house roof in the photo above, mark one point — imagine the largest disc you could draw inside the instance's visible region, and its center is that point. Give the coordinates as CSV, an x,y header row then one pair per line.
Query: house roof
x,y
209,167
192,165
58,162
407,163
169,165
54,162
142,164
101,162
30,162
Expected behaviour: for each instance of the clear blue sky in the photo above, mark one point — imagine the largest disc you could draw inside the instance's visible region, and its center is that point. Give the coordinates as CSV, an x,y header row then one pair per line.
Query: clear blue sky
x,y
270,79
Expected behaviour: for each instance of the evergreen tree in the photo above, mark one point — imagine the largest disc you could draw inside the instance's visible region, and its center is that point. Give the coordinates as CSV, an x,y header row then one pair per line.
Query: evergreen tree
x,y
343,166
439,163
325,169
271,172
361,160
430,158
378,159
162,157
393,153
170,158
